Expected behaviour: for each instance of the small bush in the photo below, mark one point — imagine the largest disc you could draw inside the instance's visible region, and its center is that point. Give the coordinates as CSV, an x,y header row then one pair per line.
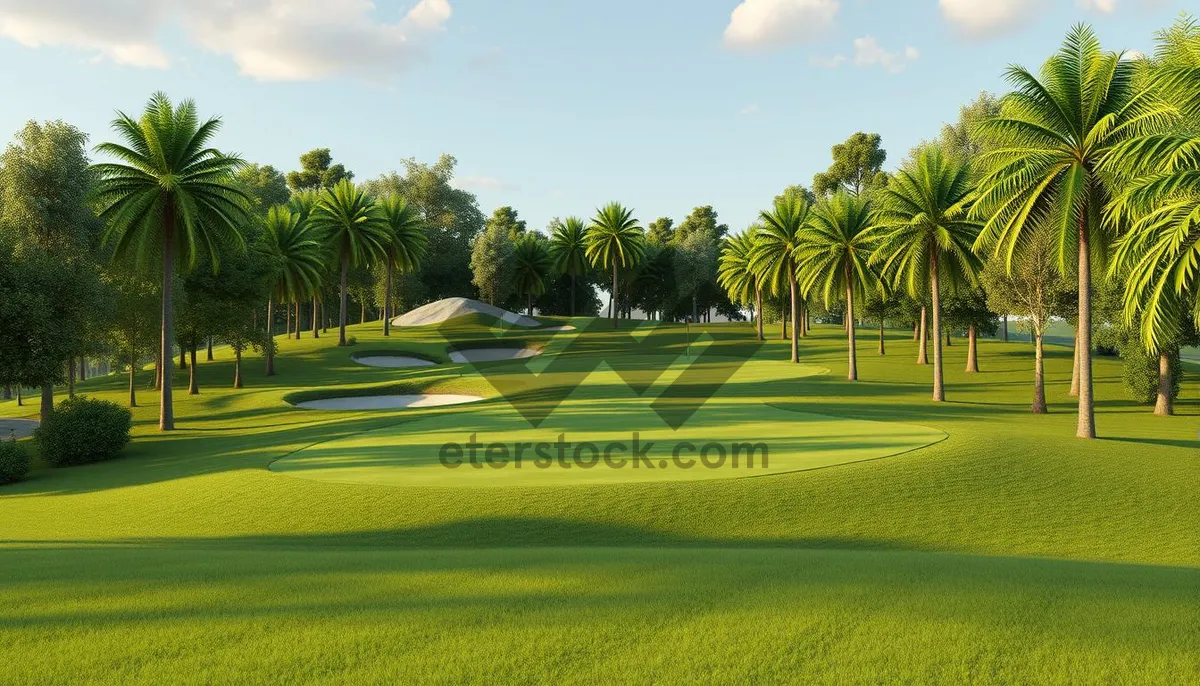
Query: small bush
x,y
352,340
14,462
82,430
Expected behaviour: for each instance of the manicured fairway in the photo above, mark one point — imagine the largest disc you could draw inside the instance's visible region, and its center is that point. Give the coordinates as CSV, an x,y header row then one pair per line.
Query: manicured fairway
x,y
1007,552
611,435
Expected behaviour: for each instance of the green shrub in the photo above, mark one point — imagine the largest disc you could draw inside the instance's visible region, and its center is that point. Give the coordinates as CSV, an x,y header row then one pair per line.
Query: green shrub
x,y
14,462
82,430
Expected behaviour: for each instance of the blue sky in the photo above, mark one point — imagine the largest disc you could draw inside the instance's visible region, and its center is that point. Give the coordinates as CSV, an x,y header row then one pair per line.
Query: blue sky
x,y
551,106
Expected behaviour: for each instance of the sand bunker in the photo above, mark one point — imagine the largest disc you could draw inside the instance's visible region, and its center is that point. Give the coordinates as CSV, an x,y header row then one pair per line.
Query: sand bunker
x,y
393,361
16,428
388,402
450,308
564,327
492,354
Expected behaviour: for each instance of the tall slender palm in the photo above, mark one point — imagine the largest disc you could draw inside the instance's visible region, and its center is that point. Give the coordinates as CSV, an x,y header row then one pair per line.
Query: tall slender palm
x,y
568,249
1159,257
355,228
170,195
834,258
404,248
303,203
735,275
773,259
297,257
532,266
1051,136
615,240
926,235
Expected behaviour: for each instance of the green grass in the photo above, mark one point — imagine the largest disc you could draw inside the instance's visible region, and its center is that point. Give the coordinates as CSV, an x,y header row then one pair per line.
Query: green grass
x,y
1008,552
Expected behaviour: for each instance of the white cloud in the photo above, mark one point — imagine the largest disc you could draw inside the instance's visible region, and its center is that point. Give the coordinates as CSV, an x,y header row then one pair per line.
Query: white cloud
x,y
482,183
1103,6
267,39
827,62
868,53
765,24
748,110
120,30
988,17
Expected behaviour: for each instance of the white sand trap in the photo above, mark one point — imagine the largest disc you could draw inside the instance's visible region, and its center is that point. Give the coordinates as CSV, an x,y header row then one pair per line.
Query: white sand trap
x,y
388,402
393,361
564,327
492,354
450,308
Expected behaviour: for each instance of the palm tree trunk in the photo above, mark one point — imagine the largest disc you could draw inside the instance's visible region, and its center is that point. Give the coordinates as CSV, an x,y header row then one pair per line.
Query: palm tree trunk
x,y
1075,367
387,299
882,348
20,399
783,319
923,342
344,298
71,378
47,401
299,322
916,332
852,365
1005,328
287,329
362,311
795,317
237,367
972,351
758,319
270,336
316,322
158,374
166,407
83,369
182,357
572,295
1039,375
529,303
193,382
939,390
1163,406
132,377
210,344
1086,427
612,306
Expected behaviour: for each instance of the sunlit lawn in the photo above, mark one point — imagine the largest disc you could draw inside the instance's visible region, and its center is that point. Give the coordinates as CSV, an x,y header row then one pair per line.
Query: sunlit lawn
x,y
1007,552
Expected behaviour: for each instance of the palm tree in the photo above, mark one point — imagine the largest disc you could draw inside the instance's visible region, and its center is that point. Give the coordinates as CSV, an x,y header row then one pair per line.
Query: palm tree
x,y
568,249
355,228
532,265
615,239
1160,203
172,196
773,259
1051,137
735,275
926,235
303,203
405,247
297,256
834,257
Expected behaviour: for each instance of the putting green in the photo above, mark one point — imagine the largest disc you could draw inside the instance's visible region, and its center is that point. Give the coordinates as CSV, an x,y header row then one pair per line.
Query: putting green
x,y
604,433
